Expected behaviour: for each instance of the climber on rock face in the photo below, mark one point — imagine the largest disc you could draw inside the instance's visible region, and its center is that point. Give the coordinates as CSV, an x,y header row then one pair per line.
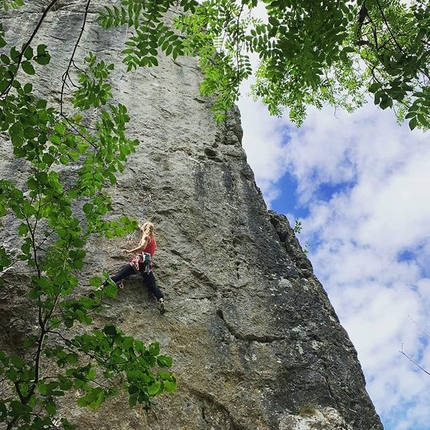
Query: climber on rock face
x,y
142,263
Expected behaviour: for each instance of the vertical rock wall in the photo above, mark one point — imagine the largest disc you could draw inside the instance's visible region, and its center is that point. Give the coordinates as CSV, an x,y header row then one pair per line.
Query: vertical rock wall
x,y
255,341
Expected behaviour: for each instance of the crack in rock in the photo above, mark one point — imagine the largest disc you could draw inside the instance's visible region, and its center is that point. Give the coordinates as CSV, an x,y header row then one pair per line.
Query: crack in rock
x,y
248,337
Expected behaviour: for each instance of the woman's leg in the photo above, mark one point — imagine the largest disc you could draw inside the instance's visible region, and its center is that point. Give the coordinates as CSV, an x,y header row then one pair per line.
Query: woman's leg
x,y
123,273
149,281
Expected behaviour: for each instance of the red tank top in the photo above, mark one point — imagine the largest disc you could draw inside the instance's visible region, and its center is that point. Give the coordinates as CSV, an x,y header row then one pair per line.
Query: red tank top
x,y
151,247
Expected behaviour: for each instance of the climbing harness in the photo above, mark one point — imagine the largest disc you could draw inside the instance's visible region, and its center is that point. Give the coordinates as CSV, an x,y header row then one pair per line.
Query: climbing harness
x,y
142,263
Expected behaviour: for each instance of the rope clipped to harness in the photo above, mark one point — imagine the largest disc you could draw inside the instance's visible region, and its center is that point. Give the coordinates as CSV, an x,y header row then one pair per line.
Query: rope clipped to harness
x,y
145,201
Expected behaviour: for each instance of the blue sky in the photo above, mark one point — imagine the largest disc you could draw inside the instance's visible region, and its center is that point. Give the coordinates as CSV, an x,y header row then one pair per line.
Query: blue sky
x,y
360,185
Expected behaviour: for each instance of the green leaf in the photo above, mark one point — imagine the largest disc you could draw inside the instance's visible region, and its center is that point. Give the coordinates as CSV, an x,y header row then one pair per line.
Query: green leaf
x,y
14,54
132,401
18,362
41,104
42,388
373,88
154,349
154,388
5,59
72,358
12,374
43,57
88,208
23,229
50,407
110,290
386,102
169,386
16,134
28,68
164,361
65,383
164,375
93,399
413,123
43,60
28,88
110,330
28,53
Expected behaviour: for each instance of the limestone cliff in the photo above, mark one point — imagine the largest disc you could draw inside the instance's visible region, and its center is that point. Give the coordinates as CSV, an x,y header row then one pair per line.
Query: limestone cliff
x,y
255,341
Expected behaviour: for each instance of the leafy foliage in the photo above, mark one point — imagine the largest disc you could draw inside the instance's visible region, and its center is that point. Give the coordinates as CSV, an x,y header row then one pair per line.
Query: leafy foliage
x,y
57,218
151,34
215,34
314,53
11,4
394,46
309,52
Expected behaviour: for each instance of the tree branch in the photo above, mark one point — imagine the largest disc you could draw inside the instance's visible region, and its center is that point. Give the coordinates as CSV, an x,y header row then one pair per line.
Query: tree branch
x,y
26,45
388,27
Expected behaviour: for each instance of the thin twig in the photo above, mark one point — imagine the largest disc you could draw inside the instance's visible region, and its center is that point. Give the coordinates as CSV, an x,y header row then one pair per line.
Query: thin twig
x,y
415,363
74,127
71,60
426,331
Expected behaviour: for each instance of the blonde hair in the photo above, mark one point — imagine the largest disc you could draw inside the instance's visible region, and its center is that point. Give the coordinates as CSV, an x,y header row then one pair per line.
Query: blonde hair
x,y
147,228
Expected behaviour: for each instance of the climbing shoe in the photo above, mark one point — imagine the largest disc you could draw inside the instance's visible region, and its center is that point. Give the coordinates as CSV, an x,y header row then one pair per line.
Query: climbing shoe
x,y
161,306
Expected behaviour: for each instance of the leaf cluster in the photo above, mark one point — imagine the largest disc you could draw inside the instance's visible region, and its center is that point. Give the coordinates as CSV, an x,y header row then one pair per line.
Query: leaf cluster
x,y
11,4
216,34
24,59
150,34
57,214
310,53
394,46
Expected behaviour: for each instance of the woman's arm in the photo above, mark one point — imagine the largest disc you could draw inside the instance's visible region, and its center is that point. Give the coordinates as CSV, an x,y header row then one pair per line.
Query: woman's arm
x,y
142,245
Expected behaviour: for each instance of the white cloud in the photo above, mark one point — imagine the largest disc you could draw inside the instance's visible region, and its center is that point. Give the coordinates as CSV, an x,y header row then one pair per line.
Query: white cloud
x,y
401,209
264,147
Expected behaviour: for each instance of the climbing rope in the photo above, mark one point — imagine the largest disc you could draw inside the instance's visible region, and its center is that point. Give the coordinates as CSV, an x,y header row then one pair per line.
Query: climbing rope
x,y
145,201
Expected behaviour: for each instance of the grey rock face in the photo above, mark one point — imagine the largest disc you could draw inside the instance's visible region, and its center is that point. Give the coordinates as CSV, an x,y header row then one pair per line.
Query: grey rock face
x,y
255,341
